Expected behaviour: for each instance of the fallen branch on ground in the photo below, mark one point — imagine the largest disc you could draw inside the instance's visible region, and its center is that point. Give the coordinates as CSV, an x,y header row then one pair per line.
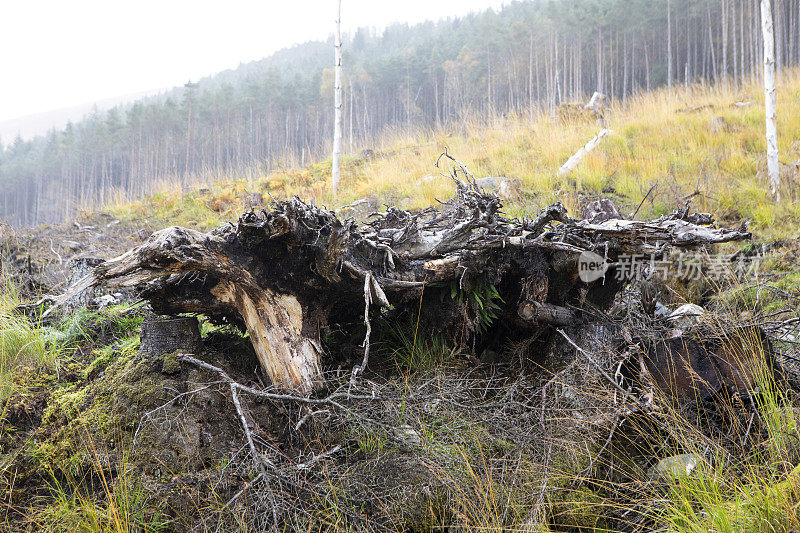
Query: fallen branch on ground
x,y
575,160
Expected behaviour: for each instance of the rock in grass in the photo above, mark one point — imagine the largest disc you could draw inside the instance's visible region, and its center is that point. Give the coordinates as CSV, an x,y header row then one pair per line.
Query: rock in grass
x,y
675,467
74,246
504,187
600,211
408,439
686,316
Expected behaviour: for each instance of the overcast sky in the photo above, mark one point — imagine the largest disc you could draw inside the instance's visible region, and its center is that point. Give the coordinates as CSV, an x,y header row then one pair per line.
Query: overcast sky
x,y
62,53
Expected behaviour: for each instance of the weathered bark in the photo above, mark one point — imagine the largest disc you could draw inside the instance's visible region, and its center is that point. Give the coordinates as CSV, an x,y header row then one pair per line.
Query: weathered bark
x,y
160,336
289,273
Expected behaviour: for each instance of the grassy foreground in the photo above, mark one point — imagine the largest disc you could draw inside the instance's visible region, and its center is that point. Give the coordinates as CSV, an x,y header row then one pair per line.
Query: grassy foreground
x,y
483,472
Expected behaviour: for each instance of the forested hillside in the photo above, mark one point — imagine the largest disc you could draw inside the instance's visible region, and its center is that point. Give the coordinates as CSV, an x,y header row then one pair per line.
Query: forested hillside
x,y
529,56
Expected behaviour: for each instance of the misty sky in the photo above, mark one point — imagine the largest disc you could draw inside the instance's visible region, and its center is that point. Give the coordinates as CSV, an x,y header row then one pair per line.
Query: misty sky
x,y
59,53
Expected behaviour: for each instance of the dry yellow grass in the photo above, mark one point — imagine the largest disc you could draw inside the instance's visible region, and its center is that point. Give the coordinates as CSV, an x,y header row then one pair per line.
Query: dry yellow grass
x,y
654,142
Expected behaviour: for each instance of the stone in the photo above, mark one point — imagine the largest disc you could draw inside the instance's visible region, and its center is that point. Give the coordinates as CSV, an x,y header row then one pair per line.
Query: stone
x,y
101,302
504,187
73,245
600,211
408,439
662,311
674,467
686,316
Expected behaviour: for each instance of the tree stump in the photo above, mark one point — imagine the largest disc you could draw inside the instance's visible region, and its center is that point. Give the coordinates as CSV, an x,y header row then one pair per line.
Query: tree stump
x,y
167,335
79,268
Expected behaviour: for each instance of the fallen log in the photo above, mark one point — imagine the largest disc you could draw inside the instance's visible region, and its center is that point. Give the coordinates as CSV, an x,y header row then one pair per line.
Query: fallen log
x,y
291,273
553,315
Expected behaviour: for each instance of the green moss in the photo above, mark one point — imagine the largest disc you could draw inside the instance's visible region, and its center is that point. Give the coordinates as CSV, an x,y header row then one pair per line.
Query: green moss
x,y
83,420
171,364
576,510
110,353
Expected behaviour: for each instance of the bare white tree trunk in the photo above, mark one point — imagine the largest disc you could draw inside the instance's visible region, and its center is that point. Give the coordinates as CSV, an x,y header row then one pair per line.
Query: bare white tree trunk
x,y
573,161
337,100
769,98
669,50
724,70
350,111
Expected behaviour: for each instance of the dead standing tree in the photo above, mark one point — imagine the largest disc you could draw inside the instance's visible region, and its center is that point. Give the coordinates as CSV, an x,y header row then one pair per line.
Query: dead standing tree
x,y
291,273
337,101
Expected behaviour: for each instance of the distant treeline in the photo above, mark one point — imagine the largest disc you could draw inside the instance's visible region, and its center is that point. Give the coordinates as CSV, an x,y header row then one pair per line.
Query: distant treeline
x,y
530,55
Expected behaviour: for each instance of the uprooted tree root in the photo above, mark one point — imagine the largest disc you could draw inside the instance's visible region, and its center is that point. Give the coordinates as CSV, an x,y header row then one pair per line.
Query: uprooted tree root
x,y
293,274
555,432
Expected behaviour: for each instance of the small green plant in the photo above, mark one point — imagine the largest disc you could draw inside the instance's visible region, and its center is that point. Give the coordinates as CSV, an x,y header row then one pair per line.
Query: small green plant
x,y
482,301
371,442
411,351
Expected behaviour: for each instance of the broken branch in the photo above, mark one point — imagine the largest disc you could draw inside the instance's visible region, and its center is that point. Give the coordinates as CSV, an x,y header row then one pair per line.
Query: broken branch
x,y
575,160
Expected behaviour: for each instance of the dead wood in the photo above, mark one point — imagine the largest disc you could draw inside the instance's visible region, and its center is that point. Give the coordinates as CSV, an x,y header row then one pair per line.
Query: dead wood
x,y
576,158
160,336
542,313
708,363
291,273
